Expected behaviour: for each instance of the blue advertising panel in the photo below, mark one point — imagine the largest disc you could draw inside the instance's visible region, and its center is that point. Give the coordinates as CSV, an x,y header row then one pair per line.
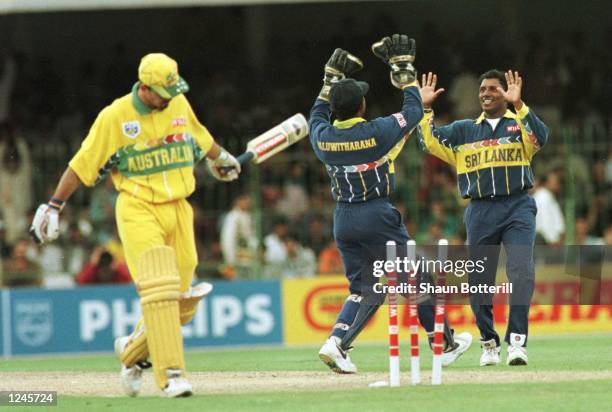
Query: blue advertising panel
x,y
4,320
88,319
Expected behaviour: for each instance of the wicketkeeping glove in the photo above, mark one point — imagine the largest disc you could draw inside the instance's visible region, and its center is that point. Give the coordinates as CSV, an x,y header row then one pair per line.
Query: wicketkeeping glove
x,y
45,226
398,51
219,166
341,64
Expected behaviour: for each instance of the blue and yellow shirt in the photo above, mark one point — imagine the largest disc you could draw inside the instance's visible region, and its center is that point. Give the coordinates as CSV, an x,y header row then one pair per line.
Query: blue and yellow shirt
x,y
359,154
489,162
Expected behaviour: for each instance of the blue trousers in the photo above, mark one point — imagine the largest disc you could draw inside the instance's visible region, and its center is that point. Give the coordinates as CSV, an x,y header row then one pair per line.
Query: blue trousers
x,y
507,221
361,228
361,231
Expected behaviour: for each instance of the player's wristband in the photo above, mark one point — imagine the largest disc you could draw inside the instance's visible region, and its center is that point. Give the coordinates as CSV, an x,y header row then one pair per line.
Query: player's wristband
x,y
412,83
57,204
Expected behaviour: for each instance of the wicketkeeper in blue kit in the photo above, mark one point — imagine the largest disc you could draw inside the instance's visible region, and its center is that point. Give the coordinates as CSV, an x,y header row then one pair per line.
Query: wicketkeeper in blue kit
x,y
492,155
359,156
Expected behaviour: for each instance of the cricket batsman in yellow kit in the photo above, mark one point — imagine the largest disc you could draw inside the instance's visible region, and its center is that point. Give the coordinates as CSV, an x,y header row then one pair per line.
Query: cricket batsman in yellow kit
x,y
149,142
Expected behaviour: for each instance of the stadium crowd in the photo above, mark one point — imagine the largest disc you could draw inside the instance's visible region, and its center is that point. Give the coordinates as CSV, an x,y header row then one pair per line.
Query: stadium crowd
x,y
275,222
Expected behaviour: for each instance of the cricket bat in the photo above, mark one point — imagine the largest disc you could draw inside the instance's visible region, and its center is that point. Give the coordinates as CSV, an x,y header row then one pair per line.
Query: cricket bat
x,y
275,140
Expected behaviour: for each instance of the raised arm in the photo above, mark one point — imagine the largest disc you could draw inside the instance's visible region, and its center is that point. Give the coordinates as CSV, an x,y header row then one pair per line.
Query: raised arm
x,y
340,65
393,128
438,141
398,52
534,132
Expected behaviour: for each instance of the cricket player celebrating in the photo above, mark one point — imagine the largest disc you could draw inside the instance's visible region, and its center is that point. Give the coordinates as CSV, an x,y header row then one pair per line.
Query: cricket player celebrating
x,y
492,155
359,156
149,141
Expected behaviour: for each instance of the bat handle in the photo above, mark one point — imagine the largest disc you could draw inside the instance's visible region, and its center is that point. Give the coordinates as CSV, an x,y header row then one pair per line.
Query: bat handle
x,y
242,159
245,157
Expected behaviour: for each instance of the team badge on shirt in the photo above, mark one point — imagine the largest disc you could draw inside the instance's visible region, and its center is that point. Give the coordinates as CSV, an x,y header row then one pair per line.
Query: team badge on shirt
x,y
131,129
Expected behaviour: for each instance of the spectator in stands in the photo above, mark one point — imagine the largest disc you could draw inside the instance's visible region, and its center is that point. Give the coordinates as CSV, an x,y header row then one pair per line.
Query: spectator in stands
x,y
301,261
20,269
588,251
550,226
294,200
103,268
15,182
238,241
315,236
330,261
276,249
582,236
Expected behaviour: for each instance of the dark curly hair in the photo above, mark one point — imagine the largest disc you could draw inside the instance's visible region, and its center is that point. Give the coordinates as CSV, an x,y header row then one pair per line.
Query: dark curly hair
x,y
494,74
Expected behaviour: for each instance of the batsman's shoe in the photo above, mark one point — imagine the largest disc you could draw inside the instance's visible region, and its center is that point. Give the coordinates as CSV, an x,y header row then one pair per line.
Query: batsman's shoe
x,y
517,353
131,377
131,380
334,357
177,386
490,353
463,341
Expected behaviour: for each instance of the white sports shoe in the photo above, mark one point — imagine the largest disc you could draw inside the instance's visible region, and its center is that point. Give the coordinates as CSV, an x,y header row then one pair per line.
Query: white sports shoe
x,y
177,386
131,378
334,357
517,353
490,353
463,341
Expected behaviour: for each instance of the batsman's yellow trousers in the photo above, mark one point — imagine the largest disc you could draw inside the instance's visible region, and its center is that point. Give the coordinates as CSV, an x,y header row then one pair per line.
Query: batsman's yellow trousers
x,y
143,225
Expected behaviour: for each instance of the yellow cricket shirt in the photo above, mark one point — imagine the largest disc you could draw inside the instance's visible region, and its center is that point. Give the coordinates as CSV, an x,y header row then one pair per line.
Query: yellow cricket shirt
x,y
150,154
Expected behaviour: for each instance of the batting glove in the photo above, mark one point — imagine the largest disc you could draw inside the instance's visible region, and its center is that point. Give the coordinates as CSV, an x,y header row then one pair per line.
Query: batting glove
x,y
224,168
45,226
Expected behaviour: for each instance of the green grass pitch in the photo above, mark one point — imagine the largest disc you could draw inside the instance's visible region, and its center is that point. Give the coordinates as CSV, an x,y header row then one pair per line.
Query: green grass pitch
x,y
588,356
